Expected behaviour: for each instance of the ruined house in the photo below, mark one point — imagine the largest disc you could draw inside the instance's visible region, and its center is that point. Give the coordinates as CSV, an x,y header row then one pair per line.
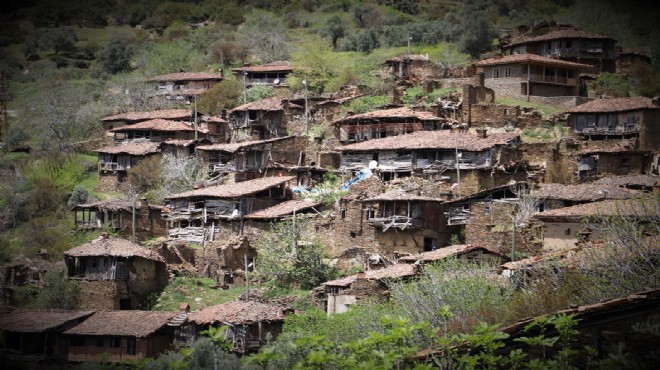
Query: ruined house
x,y
114,273
618,118
253,159
406,223
386,122
184,85
34,337
116,160
468,252
520,76
339,294
117,215
593,164
156,130
270,74
248,325
130,118
25,271
179,148
261,120
415,68
484,161
217,128
627,59
553,196
194,215
120,336
564,228
564,42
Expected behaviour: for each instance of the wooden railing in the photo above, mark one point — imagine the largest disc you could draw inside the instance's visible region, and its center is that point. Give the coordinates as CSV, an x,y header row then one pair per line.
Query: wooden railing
x,y
553,79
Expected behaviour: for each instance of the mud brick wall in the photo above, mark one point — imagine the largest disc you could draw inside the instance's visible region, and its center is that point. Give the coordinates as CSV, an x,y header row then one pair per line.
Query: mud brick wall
x,y
649,135
107,182
616,164
474,181
98,295
493,115
490,225
406,241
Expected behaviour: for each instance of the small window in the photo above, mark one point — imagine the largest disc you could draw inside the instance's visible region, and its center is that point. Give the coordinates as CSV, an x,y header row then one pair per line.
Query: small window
x,y
130,345
342,213
507,72
567,231
116,342
496,72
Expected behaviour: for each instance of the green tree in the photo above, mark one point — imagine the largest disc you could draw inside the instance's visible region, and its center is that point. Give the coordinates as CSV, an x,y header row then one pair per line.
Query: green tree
x,y
78,196
334,29
61,39
57,292
611,84
264,32
471,26
315,63
225,95
116,56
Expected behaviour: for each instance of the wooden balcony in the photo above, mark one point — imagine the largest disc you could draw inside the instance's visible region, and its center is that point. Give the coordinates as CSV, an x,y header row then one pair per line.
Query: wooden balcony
x,y
553,80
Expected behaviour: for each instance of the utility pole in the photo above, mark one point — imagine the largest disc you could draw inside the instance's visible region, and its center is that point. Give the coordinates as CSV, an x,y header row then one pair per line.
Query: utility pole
x,y
306,107
244,88
409,38
458,170
195,97
247,280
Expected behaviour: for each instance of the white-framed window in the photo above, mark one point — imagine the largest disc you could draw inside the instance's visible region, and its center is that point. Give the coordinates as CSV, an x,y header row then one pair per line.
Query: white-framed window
x,y
507,72
496,73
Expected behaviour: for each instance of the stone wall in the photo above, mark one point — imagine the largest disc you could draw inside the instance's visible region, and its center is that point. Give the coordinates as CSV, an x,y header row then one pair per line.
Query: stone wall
x,y
563,102
623,163
649,135
98,295
459,82
108,181
505,87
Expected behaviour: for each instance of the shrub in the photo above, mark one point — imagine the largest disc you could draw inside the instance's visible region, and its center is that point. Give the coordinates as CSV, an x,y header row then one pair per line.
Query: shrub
x,y
611,84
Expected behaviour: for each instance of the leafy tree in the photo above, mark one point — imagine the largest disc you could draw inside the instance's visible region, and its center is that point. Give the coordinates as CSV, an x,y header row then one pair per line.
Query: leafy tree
x,y
315,63
264,32
366,15
255,93
364,41
225,95
116,56
334,29
471,26
290,255
145,175
78,196
61,39
57,292
611,84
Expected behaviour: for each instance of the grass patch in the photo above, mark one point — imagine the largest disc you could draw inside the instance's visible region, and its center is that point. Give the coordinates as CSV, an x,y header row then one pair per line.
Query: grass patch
x,y
547,110
186,290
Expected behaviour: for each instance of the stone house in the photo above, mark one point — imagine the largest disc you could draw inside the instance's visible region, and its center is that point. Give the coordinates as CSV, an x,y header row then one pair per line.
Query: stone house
x,y
269,74
484,161
406,223
249,325
386,122
114,273
627,59
618,118
215,127
613,161
129,118
414,68
33,338
116,160
156,130
117,215
564,42
469,252
338,295
22,272
553,196
184,85
120,336
261,120
194,215
520,76
564,228
253,159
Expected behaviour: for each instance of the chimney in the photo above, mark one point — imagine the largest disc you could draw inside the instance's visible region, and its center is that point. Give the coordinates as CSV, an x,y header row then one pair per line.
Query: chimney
x,y
221,73
481,133
185,307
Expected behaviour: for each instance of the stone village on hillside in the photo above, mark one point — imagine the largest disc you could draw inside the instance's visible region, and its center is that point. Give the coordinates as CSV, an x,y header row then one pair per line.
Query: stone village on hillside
x,y
415,179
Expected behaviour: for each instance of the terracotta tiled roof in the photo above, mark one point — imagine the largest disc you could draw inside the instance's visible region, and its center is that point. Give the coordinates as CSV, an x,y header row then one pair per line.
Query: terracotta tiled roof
x,y
268,104
278,66
642,50
131,149
558,34
180,142
38,321
158,124
632,180
614,105
403,112
414,57
450,251
122,323
533,261
531,59
234,147
583,192
235,190
142,116
238,312
107,205
186,76
403,196
282,209
441,139
626,208
482,193
213,119
390,272
112,247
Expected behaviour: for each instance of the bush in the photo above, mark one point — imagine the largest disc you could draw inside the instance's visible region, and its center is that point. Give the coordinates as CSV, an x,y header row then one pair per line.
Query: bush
x,y
57,292
611,84
78,196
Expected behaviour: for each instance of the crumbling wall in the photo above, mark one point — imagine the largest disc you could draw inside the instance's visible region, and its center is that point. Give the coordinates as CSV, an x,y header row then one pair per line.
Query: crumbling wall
x,y
107,182
144,279
621,163
649,134
98,295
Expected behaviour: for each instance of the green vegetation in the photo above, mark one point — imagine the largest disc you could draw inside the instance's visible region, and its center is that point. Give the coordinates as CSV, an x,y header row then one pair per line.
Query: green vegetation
x,y
547,110
187,289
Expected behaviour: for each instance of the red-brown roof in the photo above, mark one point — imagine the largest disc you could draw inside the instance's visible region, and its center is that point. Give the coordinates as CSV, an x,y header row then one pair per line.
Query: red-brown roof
x,y
267,104
530,59
570,33
278,66
141,116
235,190
122,323
158,124
109,205
38,321
238,312
402,196
414,57
441,139
112,247
582,192
630,180
398,270
186,76
234,147
131,149
282,209
402,112
447,252
642,208
614,105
